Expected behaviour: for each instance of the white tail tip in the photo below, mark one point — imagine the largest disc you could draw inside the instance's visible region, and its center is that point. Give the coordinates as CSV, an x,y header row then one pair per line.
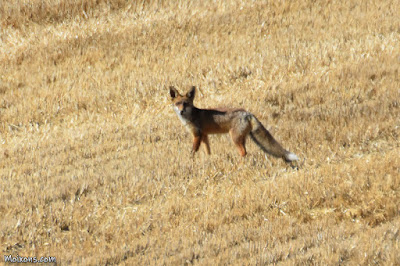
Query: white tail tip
x,y
291,157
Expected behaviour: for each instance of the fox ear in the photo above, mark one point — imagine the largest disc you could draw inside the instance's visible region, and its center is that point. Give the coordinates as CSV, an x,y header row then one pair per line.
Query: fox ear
x,y
191,93
173,92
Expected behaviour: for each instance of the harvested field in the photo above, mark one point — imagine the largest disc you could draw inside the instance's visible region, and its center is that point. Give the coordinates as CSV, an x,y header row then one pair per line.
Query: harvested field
x,y
95,166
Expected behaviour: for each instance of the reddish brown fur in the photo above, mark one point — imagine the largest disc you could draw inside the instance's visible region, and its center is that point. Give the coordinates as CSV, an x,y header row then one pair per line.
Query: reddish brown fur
x,y
237,122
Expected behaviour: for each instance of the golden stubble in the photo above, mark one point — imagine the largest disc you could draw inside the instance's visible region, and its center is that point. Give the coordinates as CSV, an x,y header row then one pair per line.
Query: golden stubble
x,y
95,165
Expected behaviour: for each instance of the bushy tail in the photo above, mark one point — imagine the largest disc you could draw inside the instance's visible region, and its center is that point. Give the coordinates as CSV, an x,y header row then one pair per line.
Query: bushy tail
x,y
261,136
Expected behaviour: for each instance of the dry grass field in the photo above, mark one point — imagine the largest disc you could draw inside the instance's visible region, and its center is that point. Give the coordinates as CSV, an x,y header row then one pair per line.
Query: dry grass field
x,y
95,166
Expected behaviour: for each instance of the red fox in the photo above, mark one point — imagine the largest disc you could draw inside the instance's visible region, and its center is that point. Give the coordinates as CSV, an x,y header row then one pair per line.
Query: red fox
x,y
238,122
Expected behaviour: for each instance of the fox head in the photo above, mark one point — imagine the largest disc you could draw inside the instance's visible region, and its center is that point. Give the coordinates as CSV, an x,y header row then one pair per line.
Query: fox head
x,y
183,104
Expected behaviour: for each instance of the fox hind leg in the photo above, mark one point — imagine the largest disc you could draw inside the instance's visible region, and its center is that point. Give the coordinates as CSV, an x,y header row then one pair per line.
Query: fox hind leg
x,y
241,145
239,141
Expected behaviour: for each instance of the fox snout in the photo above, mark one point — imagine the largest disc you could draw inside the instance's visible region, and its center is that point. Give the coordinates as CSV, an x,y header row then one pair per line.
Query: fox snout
x,y
179,110
183,108
185,111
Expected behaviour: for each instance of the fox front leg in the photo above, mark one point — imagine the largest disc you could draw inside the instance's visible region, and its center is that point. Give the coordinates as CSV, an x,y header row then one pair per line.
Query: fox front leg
x,y
206,142
196,143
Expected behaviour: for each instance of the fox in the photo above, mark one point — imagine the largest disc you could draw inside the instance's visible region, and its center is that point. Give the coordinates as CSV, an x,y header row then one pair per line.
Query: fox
x,y
237,122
